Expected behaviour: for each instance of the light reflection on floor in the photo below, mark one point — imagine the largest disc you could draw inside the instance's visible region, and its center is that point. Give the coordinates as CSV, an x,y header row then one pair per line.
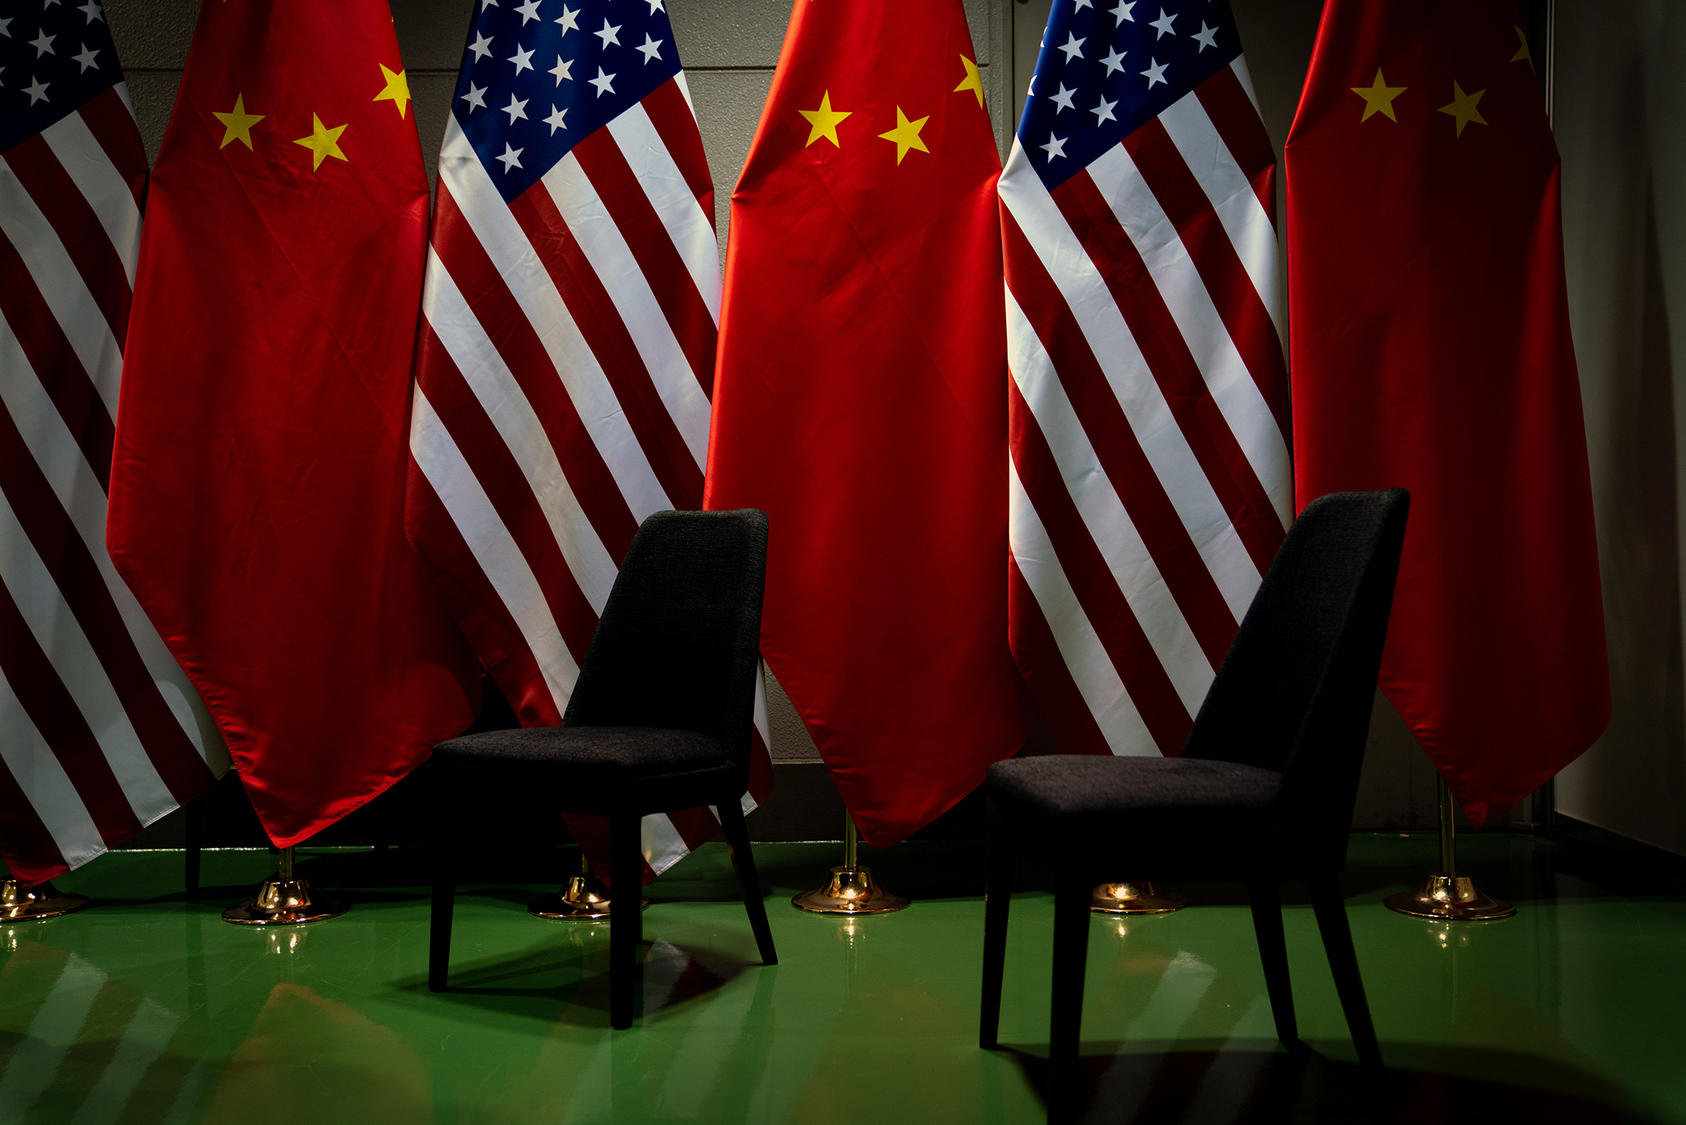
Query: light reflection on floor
x,y
147,1007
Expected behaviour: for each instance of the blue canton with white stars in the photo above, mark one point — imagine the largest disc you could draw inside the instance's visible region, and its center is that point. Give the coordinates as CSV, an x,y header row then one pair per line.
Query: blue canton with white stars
x,y
539,76
1108,66
54,56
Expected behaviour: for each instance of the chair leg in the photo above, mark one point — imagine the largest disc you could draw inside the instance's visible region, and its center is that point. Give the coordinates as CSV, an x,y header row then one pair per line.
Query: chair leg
x,y
1071,948
1327,902
743,862
998,896
439,920
1266,900
626,922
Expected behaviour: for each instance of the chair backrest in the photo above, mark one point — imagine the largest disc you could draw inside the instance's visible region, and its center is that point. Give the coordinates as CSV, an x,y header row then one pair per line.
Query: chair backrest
x,y
678,642
1295,691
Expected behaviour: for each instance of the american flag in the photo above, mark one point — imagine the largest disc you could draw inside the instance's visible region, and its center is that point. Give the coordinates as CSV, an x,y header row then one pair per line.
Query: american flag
x,y
100,732
567,355
1148,408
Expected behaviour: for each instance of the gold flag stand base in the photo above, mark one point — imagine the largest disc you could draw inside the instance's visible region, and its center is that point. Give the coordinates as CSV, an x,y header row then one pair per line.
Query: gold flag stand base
x,y
283,900
584,899
1451,898
1134,898
36,904
851,888
1445,894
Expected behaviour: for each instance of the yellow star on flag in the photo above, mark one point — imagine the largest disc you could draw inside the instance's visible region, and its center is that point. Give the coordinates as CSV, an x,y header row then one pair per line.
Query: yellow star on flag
x,y
823,121
906,134
1522,52
973,80
237,123
1463,109
397,89
323,142
1378,98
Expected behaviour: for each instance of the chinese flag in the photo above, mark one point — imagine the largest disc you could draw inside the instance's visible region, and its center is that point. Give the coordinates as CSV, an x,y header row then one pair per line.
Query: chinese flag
x,y
1430,350
257,486
861,399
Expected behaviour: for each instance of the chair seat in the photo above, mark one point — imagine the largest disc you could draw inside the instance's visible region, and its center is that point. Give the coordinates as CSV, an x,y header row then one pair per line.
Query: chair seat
x,y
605,768
1174,817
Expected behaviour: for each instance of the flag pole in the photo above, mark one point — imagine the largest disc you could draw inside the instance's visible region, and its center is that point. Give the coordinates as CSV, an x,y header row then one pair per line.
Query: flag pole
x,y
851,888
283,900
1446,894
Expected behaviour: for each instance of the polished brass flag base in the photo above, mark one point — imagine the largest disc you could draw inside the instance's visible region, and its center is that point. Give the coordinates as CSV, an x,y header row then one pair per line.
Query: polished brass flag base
x,y
850,890
1134,898
36,904
283,900
584,899
1451,898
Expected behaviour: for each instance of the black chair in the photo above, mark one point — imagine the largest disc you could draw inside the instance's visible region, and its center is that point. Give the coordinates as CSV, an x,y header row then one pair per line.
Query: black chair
x,y
659,720
1262,792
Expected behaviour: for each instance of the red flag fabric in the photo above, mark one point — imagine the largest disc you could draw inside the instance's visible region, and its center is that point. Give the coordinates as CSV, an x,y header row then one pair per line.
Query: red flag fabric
x,y
100,733
257,485
860,400
1430,350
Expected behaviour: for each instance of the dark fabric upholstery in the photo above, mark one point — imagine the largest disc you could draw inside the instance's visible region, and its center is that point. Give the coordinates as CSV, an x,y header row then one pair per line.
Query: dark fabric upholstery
x,y
677,642
660,719
1184,814
1264,787
603,769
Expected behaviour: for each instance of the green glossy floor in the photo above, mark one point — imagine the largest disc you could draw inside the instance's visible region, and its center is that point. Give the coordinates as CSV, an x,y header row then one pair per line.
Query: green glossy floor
x,y
147,1007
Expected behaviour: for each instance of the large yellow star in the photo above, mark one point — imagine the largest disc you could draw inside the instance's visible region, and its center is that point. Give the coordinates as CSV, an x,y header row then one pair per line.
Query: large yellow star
x,y
1463,109
973,80
1378,98
823,121
323,142
397,89
906,134
237,123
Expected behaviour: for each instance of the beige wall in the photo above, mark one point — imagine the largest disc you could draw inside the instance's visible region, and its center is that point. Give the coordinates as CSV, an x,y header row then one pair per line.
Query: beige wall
x,y
1620,102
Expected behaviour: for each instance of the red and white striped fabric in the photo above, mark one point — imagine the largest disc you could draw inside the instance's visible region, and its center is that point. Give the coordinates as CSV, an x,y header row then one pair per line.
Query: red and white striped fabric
x,y
100,732
567,355
1148,409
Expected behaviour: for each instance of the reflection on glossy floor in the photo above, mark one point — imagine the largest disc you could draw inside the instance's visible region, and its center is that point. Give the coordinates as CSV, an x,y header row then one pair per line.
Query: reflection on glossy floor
x,y
147,1007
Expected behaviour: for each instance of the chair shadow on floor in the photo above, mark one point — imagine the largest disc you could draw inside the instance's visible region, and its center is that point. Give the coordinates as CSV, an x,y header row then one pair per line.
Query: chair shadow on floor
x,y
1211,1082
566,979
